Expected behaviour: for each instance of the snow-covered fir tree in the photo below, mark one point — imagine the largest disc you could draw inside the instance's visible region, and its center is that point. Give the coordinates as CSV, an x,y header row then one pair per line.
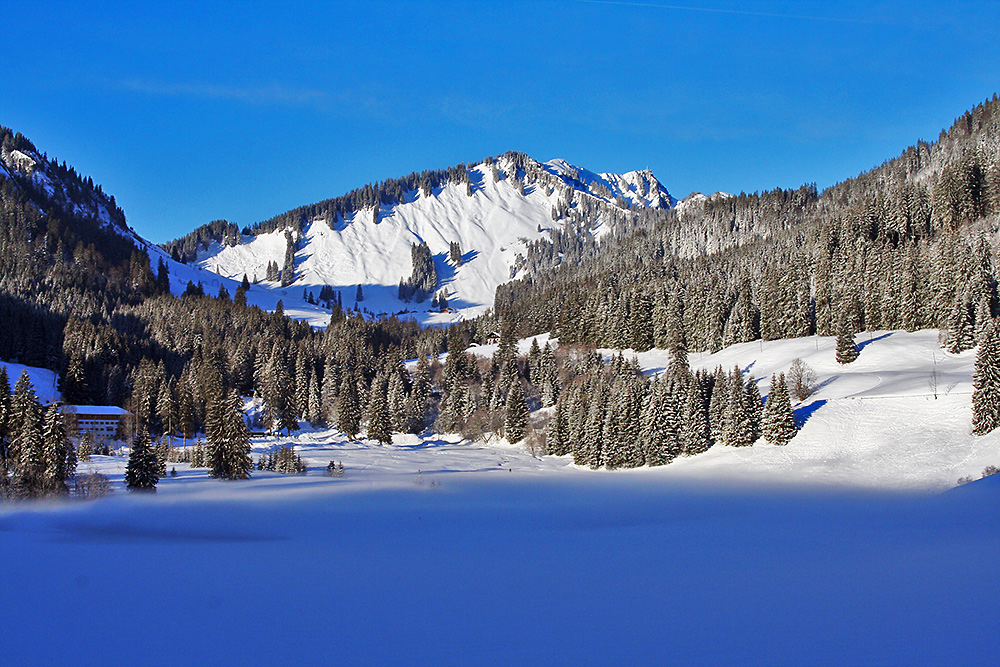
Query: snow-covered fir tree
x,y
26,452
986,384
778,422
661,424
229,440
694,436
738,428
379,421
142,472
847,349
515,421
349,407
56,448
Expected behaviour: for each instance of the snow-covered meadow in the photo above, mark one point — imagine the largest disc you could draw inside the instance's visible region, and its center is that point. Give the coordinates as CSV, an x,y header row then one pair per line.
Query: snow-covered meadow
x,y
848,546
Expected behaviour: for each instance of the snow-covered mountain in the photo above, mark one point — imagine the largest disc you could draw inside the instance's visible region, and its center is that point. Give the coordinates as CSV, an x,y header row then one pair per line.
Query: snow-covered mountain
x,y
504,205
56,188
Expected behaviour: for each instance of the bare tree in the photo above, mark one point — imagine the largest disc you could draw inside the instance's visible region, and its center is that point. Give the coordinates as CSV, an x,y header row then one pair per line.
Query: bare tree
x,y
801,380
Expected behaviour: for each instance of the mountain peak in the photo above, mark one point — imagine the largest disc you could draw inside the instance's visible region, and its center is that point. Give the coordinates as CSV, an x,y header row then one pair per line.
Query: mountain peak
x,y
490,211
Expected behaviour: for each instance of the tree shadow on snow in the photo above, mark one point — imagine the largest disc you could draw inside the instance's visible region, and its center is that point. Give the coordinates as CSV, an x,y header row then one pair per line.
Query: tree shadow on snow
x,y
865,343
802,414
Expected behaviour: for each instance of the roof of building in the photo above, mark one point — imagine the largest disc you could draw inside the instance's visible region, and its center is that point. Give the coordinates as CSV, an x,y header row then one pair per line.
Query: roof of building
x,y
96,410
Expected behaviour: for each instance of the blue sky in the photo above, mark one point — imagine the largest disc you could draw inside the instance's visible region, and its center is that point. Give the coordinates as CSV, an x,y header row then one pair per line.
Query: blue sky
x,y
189,112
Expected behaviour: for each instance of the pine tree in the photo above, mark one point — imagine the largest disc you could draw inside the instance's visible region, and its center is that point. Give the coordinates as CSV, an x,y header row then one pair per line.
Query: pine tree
x,y
419,399
5,418
778,422
86,447
314,414
661,425
166,408
591,444
515,414
961,335
26,443
718,407
986,384
56,448
549,386
228,439
534,362
754,408
74,380
738,427
302,373
349,407
379,422
557,435
142,470
288,268
694,436
847,349
330,390
450,417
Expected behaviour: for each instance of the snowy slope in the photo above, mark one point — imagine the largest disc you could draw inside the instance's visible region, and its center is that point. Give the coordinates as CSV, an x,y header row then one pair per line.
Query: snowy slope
x,y
875,422
491,225
44,381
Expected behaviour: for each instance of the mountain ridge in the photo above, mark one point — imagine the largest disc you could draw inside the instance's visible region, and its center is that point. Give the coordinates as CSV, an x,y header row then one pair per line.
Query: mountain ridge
x,y
492,211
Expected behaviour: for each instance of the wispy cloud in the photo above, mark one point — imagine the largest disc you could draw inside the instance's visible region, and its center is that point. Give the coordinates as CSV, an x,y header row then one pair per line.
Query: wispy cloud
x,y
266,95
714,10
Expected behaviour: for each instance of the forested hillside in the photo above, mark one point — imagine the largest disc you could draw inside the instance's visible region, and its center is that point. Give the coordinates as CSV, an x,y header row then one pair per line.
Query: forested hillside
x,y
907,245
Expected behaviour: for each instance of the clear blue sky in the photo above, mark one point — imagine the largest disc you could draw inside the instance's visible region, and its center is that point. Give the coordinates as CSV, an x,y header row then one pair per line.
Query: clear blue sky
x,y
189,112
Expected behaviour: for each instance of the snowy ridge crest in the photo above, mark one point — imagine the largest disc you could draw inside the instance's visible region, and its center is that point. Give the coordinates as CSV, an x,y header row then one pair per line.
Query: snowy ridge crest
x,y
492,213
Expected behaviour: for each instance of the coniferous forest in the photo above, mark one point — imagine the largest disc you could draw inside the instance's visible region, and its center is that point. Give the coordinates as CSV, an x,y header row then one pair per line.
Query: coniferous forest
x,y
906,245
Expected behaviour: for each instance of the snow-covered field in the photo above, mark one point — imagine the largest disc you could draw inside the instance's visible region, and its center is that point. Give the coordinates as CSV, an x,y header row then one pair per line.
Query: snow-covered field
x,y
845,547
494,570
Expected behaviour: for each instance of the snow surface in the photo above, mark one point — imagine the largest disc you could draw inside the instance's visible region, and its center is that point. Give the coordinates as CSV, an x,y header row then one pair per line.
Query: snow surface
x,y
839,548
874,422
44,381
501,569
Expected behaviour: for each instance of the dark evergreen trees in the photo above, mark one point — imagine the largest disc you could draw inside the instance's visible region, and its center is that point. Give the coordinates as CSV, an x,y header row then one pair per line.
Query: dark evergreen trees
x,y
288,268
379,422
515,422
5,422
986,384
143,470
738,426
349,407
778,423
26,453
847,349
424,278
228,439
